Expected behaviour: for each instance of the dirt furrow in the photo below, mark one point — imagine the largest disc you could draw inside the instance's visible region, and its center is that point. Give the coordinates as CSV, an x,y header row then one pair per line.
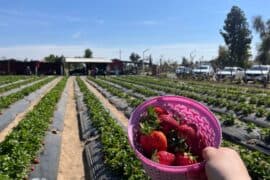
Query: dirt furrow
x,y
71,159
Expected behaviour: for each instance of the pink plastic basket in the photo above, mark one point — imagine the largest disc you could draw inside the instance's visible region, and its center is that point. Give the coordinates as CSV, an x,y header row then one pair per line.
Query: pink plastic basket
x,y
193,111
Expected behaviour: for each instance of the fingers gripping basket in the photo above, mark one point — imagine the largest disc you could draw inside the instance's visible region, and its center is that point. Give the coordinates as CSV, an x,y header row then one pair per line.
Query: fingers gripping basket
x,y
193,112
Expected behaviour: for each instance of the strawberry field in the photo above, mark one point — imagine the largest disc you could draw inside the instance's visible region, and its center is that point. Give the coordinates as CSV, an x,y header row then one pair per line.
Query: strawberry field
x,y
34,123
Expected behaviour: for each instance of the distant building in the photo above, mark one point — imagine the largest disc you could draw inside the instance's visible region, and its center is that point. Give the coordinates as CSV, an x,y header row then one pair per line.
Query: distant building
x,y
16,67
110,66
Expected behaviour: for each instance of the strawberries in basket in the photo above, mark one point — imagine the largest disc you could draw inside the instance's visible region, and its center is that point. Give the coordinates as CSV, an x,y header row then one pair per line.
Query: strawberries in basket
x,y
168,139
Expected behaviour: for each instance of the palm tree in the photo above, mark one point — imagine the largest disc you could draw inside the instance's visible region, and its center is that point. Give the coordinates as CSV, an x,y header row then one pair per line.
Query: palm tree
x,y
263,28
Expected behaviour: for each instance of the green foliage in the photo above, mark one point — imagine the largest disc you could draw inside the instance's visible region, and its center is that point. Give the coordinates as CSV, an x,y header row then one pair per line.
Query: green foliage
x,y
118,154
261,112
19,84
88,53
23,143
10,79
54,58
223,58
237,37
263,28
134,57
257,163
5,101
228,120
250,127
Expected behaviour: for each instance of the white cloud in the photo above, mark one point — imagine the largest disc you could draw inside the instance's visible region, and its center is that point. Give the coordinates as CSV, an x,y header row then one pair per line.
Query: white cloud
x,y
76,35
149,22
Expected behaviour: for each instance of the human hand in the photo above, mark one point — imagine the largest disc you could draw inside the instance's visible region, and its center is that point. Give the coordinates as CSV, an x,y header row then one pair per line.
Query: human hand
x,y
224,164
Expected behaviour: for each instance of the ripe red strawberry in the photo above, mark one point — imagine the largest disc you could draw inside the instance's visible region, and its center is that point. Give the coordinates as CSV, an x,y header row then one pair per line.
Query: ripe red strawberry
x,y
183,159
32,168
156,140
145,144
36,161
168,123
159,110
189,133
159,140
163,157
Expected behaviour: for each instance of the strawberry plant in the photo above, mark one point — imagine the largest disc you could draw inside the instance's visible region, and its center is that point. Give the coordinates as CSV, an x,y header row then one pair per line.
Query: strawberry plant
x,y
261,112
246,109
228,120
250,127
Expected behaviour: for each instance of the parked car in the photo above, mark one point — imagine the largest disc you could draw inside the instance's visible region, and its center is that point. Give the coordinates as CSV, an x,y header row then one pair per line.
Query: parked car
x,y
183,70
205,70
231,72
258,73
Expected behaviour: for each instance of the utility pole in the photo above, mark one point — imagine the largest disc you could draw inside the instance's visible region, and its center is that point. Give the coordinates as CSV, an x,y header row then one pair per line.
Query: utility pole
x,y
143,57
120,54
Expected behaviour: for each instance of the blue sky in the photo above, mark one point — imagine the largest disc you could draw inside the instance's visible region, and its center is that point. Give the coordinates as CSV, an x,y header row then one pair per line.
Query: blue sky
x,y
170,29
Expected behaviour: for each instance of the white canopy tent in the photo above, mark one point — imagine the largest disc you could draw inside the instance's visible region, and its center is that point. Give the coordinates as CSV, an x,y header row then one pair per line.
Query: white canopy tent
x,y
87,60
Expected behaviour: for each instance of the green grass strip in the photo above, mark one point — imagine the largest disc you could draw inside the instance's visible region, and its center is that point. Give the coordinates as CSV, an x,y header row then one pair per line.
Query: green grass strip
x,y
21,146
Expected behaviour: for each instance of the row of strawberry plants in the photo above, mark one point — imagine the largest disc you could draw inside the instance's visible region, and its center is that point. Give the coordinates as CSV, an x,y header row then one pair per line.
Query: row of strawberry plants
x,y
6,101
239,108
132,101
228,118
135,88
10,79
19,84
234,95
258,164
21,146
230,87
118,154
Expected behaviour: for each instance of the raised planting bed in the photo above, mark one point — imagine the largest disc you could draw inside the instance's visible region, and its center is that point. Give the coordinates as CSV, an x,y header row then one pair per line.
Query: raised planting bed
x,y
20,148
49,155
18,84
118,156
122,101
6,101
22,105
242,110
10,79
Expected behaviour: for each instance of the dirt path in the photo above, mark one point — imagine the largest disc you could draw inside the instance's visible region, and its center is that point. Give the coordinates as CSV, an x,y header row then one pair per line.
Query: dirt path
x,y
71,158
20,116
113,110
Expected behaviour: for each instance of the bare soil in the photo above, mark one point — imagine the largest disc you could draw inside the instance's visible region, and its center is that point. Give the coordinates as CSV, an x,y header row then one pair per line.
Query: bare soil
x,y
71,159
